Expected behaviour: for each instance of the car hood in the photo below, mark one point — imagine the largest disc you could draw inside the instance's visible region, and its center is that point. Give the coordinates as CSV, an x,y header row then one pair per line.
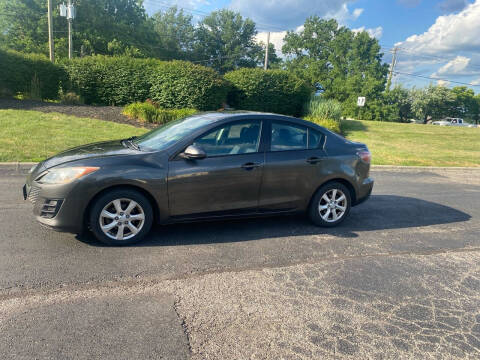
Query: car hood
x,y
95,150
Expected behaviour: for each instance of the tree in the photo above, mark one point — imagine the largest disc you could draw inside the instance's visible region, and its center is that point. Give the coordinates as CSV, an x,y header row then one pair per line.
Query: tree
x,y
400,98
226,41
176,33
432,101
338,62
98,24
465,105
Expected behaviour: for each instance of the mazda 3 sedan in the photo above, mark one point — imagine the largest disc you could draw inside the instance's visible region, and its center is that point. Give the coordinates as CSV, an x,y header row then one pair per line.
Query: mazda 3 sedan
x,y
206,166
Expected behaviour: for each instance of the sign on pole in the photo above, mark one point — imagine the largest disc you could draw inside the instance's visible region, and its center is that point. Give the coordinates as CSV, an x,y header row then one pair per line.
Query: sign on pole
x,y
361,101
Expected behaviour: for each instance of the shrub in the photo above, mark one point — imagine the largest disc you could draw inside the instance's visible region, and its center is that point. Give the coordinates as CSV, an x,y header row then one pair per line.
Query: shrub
x,y
123,80
181,84
325,109
30,74
110,80
148,112
271,91
70,98
330,124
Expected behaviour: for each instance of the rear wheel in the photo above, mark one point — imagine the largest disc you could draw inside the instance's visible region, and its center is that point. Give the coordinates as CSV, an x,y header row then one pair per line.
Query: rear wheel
x,y
121,217
330,205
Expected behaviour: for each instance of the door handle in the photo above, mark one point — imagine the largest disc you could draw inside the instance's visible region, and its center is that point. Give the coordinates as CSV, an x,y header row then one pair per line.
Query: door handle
x,y
250,166
314,160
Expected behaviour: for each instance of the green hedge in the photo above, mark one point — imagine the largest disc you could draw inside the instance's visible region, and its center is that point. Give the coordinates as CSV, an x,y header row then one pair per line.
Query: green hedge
x,y
30,74
111,80
272,91
123,80
330,124
181,84
150,113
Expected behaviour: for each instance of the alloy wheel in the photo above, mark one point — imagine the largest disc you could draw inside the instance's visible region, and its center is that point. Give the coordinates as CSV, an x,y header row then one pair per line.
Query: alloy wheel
x,y
122,219
332,205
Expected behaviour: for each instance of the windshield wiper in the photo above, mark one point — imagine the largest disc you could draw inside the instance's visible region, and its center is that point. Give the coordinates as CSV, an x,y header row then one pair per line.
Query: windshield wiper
x,y
132,145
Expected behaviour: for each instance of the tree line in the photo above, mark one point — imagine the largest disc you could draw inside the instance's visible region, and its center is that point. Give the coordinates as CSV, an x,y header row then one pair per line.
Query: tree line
x,y
335,61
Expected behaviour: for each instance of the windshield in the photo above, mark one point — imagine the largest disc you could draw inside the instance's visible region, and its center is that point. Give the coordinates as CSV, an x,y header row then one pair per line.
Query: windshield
x,y
165,136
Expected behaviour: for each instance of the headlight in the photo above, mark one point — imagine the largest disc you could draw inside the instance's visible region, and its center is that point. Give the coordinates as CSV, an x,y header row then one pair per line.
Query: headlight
x,y
65,175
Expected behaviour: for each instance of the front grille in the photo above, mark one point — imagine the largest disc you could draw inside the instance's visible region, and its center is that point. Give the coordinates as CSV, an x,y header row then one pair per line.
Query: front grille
x,y
33,194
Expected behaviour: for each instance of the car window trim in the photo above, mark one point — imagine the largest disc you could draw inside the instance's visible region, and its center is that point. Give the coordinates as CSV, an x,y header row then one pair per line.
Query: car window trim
x,y
260,150
321,143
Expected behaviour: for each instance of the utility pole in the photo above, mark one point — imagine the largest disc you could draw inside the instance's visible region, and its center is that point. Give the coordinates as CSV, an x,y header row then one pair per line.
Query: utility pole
x,y
70,19
265,66
392,67
51,46
68,12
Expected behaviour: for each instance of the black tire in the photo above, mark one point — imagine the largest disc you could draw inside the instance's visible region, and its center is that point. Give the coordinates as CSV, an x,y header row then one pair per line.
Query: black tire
x,y
144,208
314,212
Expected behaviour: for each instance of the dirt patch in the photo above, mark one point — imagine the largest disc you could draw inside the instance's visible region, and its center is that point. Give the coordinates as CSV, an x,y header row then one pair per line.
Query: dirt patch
x,y
108,113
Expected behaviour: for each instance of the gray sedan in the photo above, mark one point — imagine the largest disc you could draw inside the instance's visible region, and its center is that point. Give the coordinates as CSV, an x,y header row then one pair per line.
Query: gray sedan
x,y
210,165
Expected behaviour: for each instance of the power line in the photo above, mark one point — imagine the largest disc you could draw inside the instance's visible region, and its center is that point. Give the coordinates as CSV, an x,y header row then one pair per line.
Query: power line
x,y
426,56
436,79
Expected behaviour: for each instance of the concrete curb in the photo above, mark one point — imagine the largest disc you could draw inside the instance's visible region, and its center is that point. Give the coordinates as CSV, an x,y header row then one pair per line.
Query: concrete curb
x,y
424,168
17,163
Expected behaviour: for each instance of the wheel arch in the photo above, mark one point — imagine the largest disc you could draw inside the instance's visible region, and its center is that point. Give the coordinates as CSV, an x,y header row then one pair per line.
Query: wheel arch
x,y
346,183
147,194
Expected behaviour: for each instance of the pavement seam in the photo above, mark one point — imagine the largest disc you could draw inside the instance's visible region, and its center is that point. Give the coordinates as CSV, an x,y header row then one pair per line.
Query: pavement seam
x,y
130,282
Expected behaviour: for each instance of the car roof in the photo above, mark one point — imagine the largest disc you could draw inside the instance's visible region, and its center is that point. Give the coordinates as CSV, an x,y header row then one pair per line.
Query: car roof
x,y
220,116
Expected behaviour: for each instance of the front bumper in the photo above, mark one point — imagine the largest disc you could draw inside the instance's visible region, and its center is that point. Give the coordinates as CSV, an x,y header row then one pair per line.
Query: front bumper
x,y
56,206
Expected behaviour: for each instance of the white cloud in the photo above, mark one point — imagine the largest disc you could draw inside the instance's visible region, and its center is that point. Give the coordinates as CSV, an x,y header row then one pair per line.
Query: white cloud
x,y
288,14
449,34
443,83
449,49
374,33
476,82
456,66
356,13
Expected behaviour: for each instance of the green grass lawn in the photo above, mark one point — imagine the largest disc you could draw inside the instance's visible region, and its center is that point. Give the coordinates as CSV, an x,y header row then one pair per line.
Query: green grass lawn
x,y
33,136
415,144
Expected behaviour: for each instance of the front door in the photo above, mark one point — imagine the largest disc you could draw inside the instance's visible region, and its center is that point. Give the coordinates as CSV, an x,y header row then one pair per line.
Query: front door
x,y
227,180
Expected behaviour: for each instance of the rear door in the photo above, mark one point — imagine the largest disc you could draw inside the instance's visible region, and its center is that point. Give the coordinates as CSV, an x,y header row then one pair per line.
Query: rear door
x,y
227,180
294,153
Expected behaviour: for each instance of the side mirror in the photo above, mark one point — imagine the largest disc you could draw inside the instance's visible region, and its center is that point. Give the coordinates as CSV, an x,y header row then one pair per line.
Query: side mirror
x,y
193,152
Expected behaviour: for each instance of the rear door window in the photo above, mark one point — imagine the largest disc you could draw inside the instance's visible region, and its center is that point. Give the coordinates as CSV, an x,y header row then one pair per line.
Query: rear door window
x,y
287,136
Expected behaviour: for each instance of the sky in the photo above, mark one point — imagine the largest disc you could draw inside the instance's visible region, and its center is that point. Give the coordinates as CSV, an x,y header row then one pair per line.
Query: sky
x,y
437,39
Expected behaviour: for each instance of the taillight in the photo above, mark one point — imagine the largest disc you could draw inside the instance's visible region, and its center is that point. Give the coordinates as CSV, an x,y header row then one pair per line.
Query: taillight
x,y
365,155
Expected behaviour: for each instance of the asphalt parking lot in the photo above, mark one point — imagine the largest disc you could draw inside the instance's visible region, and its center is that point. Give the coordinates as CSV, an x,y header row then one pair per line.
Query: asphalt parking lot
x,y
399,279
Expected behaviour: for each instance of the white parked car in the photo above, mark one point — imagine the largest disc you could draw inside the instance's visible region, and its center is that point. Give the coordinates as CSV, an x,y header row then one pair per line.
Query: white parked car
x,y
452,122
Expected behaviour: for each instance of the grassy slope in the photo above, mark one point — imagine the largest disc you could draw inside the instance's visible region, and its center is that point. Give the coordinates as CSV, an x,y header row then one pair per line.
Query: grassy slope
x,y
33,136
417,145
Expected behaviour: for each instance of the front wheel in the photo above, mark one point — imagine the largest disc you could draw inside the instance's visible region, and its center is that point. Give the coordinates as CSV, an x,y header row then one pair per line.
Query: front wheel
x,y
121,217
330,205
